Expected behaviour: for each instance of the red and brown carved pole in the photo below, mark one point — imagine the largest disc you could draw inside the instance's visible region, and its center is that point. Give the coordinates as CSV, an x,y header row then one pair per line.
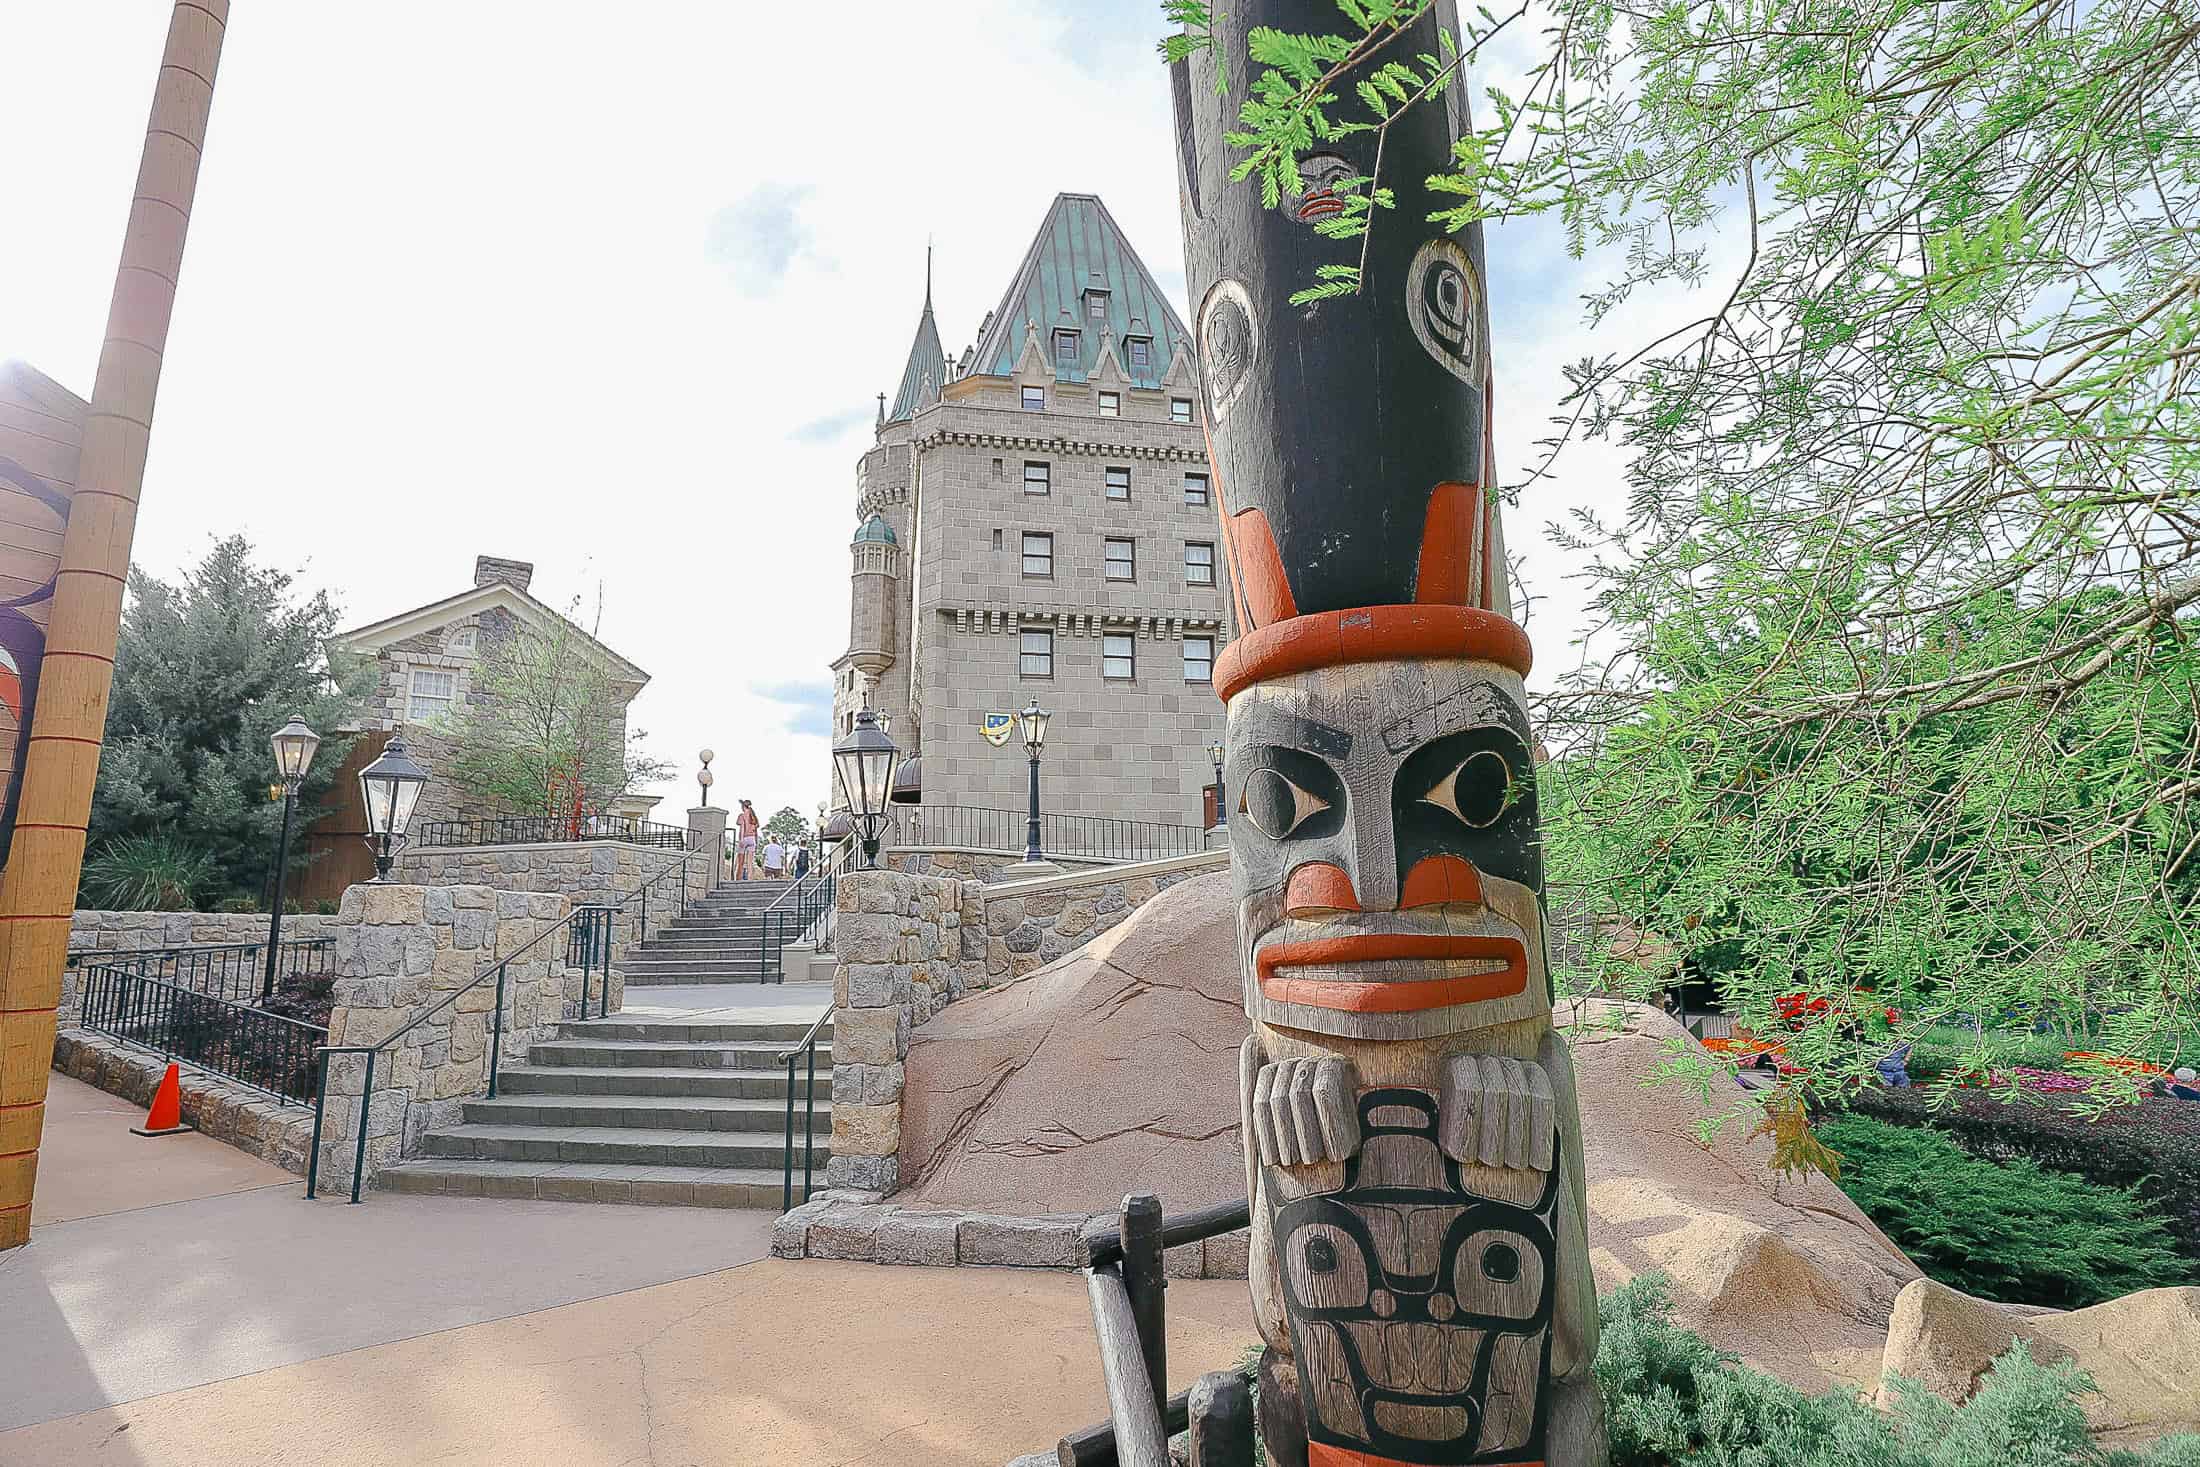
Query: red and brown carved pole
x,y
38,890
1420,1268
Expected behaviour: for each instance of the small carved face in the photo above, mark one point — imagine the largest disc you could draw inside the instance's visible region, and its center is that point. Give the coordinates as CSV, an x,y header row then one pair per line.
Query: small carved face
x,y
1384,847
1319,175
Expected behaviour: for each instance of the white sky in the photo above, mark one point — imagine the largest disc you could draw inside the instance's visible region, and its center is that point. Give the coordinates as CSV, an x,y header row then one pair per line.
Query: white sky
x,y
612,291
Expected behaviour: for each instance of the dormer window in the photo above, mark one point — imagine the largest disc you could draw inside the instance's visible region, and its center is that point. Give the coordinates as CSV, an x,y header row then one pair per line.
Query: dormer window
x,y
1141,353
1065,348
1096,305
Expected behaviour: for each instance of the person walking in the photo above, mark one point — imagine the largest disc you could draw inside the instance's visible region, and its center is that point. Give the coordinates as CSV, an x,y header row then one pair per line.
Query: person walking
x,y
744,827
801,860
775,860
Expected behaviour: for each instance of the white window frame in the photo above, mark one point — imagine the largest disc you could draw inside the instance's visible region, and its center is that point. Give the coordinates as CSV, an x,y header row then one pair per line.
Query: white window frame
x,y
1045,540
1111,404
1035,407
1127,656
1045,478
1205,489
1180,410
1025,651
413,696
1108,480
1199,572
1108,561
1208,661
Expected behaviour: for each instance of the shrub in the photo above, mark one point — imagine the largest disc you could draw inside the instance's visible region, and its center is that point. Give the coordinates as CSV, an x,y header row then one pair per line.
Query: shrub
x,y
1671,1400
145,873
2014,1231
1944,1050
237,904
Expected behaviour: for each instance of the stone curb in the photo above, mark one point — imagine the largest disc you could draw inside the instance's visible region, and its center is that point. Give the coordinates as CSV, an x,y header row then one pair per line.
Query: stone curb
x,y
856,1227
244,1118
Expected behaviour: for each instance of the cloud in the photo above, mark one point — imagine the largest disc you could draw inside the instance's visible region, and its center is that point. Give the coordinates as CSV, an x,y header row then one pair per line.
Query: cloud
x,y
809,705
758,237
832,426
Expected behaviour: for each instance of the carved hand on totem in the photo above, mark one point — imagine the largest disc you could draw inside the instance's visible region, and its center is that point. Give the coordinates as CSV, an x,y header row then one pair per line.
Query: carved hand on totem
x,y
1496,1111
1305,1111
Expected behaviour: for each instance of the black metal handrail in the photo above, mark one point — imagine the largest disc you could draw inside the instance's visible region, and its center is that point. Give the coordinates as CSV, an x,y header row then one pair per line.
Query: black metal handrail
x,y
805,1046
586,932
785,924
1098,837
235,971
267,1052
517,830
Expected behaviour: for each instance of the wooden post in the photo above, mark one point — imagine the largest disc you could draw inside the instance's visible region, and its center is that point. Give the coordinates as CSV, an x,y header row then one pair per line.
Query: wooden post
x,y
1222,1420
38,890
1413,1146
1144,1278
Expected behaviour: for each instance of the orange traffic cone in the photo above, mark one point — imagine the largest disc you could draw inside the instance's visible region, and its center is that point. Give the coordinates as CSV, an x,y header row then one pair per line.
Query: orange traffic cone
x,y
166,1116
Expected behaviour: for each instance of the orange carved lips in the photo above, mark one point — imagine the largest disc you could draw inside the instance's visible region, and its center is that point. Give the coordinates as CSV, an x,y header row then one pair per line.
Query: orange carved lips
x,y
1320,204
1376,996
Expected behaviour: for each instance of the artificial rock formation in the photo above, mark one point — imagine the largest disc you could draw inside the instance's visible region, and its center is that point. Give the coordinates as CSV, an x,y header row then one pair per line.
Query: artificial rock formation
x,y
1420,1267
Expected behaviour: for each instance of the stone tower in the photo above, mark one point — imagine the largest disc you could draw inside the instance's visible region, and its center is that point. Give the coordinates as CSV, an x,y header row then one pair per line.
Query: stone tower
x,y
1042,509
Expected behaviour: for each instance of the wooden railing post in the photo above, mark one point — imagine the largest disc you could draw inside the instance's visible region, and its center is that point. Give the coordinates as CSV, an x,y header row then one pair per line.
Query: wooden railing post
x,y
1221,1410
1145,1280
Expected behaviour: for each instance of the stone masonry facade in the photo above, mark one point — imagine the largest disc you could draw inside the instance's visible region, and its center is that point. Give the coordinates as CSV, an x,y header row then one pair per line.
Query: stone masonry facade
x,y
586,873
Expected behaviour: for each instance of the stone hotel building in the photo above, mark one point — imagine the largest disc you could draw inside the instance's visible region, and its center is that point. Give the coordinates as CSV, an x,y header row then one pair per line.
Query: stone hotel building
x,y
1037,520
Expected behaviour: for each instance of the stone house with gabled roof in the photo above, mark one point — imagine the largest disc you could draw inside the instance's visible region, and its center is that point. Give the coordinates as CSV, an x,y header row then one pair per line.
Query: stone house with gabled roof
x,y
1036,520
428,655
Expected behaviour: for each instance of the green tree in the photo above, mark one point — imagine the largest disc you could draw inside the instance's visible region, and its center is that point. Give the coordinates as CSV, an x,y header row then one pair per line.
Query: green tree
x,y
1889,679
205,671
543,728
787,825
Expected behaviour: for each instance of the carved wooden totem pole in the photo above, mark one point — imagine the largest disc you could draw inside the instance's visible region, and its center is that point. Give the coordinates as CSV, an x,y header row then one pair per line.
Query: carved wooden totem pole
x,y
1420,1266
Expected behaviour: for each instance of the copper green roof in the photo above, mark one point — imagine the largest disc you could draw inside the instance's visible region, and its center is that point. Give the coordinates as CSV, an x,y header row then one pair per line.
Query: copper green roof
x,y
874,530
1080,248
926,372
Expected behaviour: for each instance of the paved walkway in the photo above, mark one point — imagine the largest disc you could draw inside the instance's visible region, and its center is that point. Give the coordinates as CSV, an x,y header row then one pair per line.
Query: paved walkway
x,y
179,1306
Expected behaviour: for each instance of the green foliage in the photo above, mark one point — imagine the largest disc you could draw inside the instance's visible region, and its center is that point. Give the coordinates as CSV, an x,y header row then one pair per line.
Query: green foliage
x,y
145,873
2015,1232
787,825
1951,1052
205,671
543,729
1671,1400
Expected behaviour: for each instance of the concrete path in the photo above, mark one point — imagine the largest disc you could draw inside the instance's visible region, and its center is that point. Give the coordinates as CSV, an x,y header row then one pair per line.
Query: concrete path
x,y
92,1165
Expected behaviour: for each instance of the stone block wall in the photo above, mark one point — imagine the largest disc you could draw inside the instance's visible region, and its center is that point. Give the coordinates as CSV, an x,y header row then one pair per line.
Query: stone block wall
x,y
94,933
586,873
966,864
1025,925
399,951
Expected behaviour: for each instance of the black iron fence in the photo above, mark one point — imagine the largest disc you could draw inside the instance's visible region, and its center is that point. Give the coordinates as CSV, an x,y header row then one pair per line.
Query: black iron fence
x,y
1098,837
265,1051
235,971
804,1050
520,830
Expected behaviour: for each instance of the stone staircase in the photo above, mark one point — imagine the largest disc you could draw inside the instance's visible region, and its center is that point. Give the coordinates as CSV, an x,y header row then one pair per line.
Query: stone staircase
x,y
720,939
619,1110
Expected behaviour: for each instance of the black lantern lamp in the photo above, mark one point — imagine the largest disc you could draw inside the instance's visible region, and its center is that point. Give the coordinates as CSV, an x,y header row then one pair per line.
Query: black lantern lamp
x,y
391,787
294,746
865,762
1035,737
1222,802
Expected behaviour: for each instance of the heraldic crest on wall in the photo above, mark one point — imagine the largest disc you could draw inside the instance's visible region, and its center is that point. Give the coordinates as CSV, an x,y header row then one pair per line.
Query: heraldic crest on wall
x,y
1420,1268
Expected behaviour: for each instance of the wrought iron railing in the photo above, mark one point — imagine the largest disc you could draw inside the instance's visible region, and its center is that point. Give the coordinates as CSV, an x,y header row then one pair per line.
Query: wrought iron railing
x,y
267,1052
587,937
1095,837
637,901
236,971
520,830
804,1049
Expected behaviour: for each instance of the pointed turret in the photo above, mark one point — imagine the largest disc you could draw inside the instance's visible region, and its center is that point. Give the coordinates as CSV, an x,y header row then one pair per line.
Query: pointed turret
x,y
926,371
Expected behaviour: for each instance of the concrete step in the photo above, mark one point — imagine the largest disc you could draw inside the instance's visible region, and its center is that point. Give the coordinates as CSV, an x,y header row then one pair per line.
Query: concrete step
x,y
607,1145
635,1081
697,944
718,1114
665,1186
699,980
677,1032
731,969
699,929
665,1055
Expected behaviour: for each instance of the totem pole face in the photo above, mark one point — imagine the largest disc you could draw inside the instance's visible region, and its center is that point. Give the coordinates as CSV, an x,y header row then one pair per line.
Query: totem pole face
x,y
1384,849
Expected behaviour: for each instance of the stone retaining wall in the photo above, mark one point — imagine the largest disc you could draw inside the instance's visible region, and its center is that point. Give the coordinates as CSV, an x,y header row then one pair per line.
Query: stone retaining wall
x,y
253,1123
967,863
136,931
906,946
587,873
845,1225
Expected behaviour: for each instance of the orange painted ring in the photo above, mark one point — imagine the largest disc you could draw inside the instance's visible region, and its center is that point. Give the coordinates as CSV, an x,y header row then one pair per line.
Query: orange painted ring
x,y
1370,634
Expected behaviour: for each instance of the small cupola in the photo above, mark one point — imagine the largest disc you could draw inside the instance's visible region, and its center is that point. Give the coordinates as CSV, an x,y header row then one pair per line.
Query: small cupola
x,y
875,531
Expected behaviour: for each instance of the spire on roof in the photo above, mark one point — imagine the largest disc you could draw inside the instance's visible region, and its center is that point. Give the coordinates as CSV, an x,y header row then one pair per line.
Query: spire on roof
x,y
1081,262
923,375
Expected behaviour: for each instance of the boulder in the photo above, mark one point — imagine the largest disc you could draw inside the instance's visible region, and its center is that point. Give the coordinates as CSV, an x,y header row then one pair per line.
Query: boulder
x,y
1944,1339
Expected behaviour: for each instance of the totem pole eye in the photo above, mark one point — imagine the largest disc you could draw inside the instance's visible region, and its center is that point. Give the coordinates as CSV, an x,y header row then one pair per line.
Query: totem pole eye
x,y
1276,805
1477,790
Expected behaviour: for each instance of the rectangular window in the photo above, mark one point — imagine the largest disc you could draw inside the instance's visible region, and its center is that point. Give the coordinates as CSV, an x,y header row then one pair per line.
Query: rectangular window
x,y
1065,347
1035,399
1038,478
1199,564
1122,557
1118,656
1038,554
996,539
1037,655
1195,490
1180,410
1119,482
1199,659
431,694
1141,353
1096,304
1111,405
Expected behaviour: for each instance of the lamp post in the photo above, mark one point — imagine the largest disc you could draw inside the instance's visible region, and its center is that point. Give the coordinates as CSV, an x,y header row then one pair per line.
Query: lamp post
x,y
865,762
704,777
294,746
1035,737
1222,803
390,786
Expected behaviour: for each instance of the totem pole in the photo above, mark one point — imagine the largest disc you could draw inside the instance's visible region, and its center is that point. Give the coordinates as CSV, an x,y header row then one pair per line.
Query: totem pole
x,y
1420,1268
